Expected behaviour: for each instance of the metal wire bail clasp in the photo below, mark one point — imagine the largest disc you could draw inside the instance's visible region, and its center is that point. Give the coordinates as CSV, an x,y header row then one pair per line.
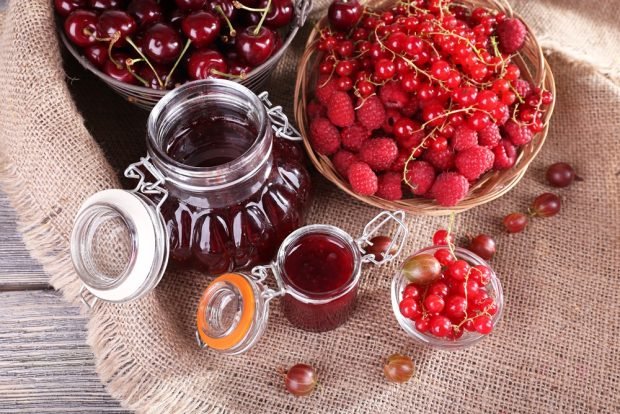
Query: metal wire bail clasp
x,y
260,273
279,121
146,187
373,228
84,294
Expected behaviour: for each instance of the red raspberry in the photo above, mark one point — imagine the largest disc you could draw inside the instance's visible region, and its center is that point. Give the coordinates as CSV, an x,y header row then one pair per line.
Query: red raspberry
x,y
489,137
511,35
474,161
379,153
315,110
420,177
441,160
523,88
324,137
390,186
342,160
353,137
393,96
464,137
362,178
340,109
450,188
505,155
399,163
371,113
518,134
325,89
392,116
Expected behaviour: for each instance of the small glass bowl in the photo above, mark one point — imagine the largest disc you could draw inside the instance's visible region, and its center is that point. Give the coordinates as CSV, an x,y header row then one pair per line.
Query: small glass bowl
x,y
494,289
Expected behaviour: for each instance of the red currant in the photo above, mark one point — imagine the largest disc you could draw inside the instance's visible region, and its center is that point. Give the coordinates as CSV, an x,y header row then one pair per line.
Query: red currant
x,y
410,308
459,270
444,256
442,238
440,326
483,324
434,303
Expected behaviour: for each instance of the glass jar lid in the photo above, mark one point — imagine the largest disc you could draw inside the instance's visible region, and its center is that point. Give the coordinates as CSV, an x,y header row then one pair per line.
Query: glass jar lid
x,y
119,245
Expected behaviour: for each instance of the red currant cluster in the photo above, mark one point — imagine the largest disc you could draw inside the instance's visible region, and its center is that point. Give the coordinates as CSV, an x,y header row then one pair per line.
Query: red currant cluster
x,y
145,41
447,296
425,93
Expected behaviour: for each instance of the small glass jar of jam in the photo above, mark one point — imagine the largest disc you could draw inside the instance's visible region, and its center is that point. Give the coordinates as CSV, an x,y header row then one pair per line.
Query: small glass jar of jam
x,y
221,187
317,273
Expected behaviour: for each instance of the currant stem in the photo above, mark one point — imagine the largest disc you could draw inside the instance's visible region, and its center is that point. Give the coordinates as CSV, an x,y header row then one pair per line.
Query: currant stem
x,y
137,49
187,44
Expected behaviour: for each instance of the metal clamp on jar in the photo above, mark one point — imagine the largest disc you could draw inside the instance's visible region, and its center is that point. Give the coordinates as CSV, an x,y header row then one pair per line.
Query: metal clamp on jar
x,y
221,187
317,273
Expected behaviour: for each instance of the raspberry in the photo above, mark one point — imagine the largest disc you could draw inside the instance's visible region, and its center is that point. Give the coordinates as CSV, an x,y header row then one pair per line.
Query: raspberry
x,y
340,109
324,136
518,134
474,161
393,96
399,163
464,137
523,87
390,186
379,153
420,177
342,160
353,137
371,113
505,155
511,35
325,89
441,160
450,188
315,110
362,179
391,118
489,137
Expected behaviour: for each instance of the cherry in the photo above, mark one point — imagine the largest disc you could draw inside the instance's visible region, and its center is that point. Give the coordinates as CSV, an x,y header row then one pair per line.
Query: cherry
x,y
560,174
80,27
105,4
515,222
546,205
190,5
120,72
256,44
97,54
146,12
64,7
203,64
201,27
161,43
344,14
442,238
152,81
116,25
483,245
281,12
238,68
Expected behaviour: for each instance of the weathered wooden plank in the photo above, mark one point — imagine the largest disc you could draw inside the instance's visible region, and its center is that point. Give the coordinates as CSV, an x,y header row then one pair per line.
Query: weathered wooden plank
x,y
45,364
18,270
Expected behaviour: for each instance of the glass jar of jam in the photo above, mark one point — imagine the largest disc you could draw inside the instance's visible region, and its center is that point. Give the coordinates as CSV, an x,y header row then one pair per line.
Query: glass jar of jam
x,y
221,187
317,273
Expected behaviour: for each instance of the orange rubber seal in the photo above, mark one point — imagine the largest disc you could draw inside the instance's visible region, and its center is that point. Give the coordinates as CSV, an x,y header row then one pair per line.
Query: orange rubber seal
x,y
247,312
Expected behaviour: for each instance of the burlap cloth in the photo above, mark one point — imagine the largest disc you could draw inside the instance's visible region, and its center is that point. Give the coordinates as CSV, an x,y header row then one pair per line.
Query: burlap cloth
x,y
64,137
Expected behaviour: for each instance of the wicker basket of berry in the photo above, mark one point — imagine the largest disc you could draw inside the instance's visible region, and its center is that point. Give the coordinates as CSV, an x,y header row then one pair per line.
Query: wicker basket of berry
x,y
428,106
143,48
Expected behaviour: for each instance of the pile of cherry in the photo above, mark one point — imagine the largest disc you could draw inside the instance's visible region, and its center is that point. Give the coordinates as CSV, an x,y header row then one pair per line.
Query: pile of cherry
x,y
163,44
422,99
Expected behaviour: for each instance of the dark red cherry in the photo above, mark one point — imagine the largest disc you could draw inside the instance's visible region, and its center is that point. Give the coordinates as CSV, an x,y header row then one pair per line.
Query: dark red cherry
x,y
344,14
249,3
256,48
238,68
161,43
97,54
280,13
146,12
190,4
146,73
64,7
176,17
80,27
121,73
226,6
201,27
112,22
202,64
106,4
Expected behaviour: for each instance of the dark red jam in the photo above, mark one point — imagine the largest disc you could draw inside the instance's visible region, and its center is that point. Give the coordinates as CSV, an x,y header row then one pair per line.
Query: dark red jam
x,y
216,231
319,267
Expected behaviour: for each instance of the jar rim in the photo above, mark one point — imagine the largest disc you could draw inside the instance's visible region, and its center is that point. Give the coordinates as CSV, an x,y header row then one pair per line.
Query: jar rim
x,y
322,297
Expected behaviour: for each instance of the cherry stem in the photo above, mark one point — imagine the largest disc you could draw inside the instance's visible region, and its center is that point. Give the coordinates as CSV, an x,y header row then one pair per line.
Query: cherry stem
x,y
242,6
241,76
113,40
262,19
187,44
129,62
137,49
231,29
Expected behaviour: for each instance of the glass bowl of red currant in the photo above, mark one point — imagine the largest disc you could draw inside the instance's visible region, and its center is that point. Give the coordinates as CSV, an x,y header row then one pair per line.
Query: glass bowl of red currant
x,y
447,298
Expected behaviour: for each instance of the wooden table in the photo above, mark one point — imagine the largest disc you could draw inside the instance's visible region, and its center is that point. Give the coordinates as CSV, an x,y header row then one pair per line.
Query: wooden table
x,y
45,363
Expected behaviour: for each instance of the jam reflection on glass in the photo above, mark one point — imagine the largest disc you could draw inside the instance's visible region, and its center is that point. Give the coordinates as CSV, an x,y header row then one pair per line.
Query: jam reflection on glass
x,y
237,232
319,267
